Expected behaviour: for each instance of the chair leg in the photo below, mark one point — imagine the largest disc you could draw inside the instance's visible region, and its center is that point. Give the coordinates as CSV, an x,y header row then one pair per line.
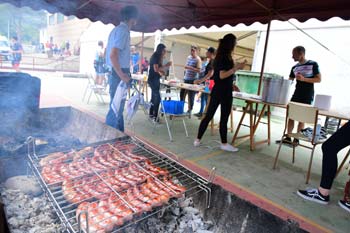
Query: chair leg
x,y
310,163
278,152
167,124
85,92
183,121
293,159
96,95
88,100
342,163
101,98
168,127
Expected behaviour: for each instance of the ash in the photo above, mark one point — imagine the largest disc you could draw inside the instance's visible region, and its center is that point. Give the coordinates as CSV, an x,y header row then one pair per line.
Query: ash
x,y
182,218
27,214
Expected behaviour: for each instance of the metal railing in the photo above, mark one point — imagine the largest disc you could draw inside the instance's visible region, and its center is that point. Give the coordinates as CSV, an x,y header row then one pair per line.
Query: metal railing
x,y
44,63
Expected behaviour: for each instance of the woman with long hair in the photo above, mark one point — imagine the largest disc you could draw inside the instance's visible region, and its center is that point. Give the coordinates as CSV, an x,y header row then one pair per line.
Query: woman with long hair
x,y
224,70
156,70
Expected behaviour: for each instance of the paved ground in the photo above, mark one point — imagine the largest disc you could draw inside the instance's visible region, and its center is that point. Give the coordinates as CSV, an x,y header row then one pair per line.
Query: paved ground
x,y
250,171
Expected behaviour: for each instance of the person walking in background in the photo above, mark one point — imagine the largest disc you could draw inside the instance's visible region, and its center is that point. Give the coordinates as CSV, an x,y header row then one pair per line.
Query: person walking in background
x,y
16,51
67,52
156,70
135,57
207,74
330,149
306,72
99,63
192,68
118,59
145,64
224,69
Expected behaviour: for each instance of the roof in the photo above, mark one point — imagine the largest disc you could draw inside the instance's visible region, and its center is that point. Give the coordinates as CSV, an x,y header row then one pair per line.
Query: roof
x,y
165,14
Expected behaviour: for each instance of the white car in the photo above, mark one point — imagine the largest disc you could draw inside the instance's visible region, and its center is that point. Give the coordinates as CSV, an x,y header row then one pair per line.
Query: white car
x,y
5,50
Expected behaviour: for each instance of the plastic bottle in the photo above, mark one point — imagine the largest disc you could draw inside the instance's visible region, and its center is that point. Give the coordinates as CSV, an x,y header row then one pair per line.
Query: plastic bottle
x,y
318,130
206,88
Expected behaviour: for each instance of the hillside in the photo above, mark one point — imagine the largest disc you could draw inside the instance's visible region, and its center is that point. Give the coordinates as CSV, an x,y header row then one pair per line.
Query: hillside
x,y
23,22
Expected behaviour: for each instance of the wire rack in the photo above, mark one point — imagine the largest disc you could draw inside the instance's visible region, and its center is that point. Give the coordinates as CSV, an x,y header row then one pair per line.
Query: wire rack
x,y
75,220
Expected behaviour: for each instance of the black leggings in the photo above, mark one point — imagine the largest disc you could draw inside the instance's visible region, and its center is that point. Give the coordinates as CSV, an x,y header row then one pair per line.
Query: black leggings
x,y
330,149
226,106
155,99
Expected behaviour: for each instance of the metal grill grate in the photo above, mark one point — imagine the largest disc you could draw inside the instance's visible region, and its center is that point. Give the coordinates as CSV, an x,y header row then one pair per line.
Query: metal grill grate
x,y
74,212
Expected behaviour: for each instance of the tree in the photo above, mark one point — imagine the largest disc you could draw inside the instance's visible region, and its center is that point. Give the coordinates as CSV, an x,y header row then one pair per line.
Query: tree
x,y
24,22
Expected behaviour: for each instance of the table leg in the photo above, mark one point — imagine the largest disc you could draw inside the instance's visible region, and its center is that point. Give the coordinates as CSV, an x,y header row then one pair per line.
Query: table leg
x,y
257,122
146,86
268,125
240,122
251,127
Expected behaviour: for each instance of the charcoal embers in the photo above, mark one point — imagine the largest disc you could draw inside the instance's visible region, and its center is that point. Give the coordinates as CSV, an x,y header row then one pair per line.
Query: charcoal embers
x,y
28,214
182,218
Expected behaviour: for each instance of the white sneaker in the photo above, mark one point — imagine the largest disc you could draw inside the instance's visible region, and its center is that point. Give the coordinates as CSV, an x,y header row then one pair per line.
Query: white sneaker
x,y
196,143
228,147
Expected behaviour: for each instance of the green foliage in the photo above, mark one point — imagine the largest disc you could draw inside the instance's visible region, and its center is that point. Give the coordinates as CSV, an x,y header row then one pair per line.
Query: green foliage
x,y
24,22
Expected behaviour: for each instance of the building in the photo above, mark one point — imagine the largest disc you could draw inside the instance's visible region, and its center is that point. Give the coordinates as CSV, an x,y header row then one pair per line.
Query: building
x,y
61,28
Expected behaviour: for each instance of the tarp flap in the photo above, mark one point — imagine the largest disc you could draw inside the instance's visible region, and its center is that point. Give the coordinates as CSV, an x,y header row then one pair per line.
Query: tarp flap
x,y
168,14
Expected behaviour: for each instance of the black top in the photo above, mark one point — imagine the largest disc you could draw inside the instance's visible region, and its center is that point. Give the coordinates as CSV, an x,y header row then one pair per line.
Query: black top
x,y
223,86
154,76
208,68
309,69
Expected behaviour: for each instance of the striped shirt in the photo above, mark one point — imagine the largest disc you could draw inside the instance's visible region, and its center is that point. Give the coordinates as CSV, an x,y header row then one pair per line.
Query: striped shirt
x,y
193,62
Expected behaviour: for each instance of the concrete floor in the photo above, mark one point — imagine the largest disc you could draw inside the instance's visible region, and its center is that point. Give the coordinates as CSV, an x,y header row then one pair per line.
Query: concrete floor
x,y
249,171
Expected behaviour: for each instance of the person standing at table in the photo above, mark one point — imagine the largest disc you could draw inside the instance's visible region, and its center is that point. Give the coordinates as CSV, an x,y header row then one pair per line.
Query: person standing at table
x,y
118,59
330,149
207,74
156,70
221,94
306,72
192,68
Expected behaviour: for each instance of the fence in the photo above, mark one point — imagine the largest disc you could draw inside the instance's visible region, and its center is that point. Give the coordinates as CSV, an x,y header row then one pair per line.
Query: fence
x,y
45,63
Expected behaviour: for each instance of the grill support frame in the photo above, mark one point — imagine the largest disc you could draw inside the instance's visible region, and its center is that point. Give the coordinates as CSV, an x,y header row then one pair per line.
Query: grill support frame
x,y
163,160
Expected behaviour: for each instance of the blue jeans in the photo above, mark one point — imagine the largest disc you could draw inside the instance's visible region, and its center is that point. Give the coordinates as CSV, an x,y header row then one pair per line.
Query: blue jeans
x,y
113,120
204,99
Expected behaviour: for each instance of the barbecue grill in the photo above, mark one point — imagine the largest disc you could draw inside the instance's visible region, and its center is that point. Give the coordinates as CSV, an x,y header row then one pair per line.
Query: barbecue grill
x,y
67,211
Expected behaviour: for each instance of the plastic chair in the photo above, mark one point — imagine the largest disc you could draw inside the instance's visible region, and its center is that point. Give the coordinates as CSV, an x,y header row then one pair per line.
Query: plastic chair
x,y
301,113
170,116
92,88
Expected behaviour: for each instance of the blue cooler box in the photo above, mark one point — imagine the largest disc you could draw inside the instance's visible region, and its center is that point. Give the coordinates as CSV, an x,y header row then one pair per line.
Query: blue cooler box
x,y
173,106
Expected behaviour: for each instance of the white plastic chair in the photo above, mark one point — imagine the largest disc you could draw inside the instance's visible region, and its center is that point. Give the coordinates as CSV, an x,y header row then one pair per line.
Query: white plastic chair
x,y
168,116
92,88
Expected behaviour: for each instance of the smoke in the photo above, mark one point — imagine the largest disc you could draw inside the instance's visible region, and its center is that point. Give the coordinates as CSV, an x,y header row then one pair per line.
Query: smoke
x,y
19,101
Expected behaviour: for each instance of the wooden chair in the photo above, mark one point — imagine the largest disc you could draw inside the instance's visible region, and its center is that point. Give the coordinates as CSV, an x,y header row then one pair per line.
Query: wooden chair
x,y
301,113
343,162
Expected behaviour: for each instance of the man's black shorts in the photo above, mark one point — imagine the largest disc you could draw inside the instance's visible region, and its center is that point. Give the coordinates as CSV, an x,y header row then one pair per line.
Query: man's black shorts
x,y
302,99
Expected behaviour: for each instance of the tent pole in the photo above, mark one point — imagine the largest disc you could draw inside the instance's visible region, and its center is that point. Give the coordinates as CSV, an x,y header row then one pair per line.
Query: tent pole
x,y
264,56
141,58
262,68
